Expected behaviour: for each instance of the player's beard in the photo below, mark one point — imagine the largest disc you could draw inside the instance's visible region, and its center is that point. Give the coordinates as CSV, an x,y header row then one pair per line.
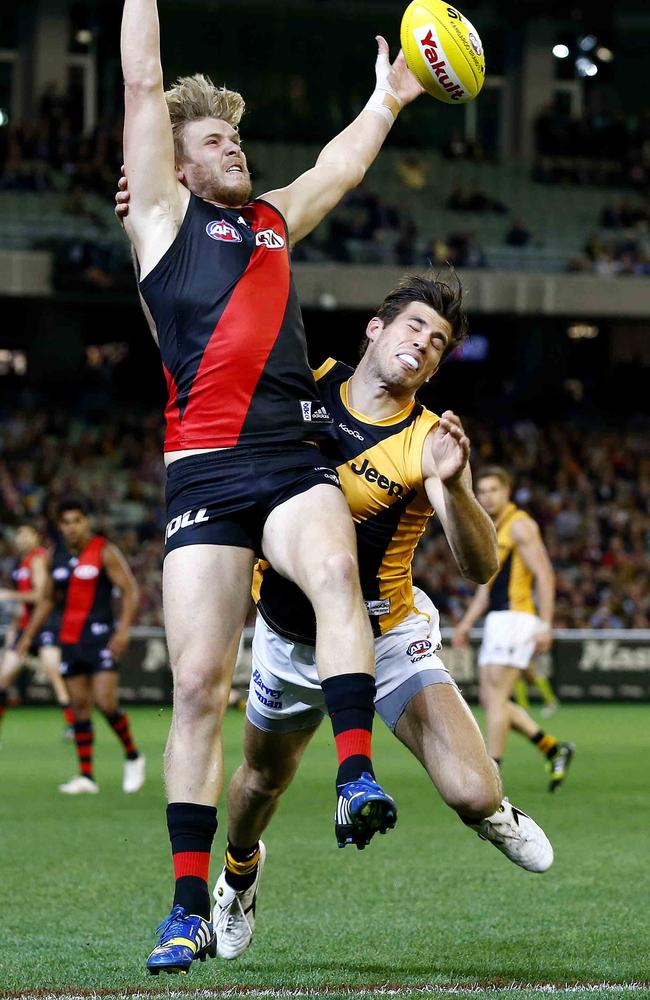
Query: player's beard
x,y
233,191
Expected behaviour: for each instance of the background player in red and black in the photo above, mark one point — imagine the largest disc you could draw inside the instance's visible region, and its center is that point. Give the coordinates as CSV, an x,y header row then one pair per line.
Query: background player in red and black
x,y
83,571
243,479
30,580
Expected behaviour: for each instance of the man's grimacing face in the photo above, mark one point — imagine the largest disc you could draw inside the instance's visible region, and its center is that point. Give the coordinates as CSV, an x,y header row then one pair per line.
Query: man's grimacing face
x,y
214,165
407,351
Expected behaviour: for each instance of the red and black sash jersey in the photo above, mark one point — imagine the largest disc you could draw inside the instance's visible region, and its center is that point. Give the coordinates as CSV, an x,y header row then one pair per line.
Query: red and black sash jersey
x,y
83,591
22,577
380,468
230,331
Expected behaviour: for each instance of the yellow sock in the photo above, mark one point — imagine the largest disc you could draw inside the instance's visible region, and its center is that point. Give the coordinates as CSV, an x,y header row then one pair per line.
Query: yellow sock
x,y
521,693
545,744
543,685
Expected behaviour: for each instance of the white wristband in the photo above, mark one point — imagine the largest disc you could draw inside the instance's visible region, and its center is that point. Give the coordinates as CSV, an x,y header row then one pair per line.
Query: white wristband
x,y
386,104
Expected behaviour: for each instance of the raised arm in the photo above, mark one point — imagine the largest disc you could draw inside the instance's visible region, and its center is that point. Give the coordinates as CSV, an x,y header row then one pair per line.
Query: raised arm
x,y
158,199
343,163
532,550
448,484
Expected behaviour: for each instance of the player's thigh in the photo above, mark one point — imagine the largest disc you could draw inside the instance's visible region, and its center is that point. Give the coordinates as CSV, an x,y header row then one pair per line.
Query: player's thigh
x,y
274,757
206,594
310,537
10,665
50,660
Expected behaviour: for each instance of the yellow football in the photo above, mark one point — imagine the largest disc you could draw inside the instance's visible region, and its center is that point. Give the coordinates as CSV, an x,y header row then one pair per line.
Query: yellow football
x,y
443,50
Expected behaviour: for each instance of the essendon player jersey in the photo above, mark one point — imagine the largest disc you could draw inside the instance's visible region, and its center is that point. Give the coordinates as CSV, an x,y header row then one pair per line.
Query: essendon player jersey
x,y
22,577
380,468
83,592
230,331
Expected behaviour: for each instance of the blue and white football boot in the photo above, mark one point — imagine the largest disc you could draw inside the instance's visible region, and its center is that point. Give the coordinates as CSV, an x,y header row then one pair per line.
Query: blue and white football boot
x,y
183,938
363,809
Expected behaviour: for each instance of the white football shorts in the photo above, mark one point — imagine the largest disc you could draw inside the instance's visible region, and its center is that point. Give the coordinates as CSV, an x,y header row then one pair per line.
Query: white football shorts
x,y
285,694
508,639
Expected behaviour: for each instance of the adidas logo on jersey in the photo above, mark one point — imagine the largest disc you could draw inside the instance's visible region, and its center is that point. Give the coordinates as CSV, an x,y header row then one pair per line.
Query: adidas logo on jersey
x,y
311,411
372,475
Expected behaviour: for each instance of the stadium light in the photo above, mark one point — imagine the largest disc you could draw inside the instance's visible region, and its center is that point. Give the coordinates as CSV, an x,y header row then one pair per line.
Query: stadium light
x,y
604,54
587,43
585,67
560,51
4,117
582,331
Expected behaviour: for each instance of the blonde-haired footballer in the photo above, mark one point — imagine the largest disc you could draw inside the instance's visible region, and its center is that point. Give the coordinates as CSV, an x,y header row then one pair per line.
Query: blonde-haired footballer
x,y
398,463
515,628
246,474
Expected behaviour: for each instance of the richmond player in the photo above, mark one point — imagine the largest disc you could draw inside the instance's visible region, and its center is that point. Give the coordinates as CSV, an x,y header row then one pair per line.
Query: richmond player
x,y
515,628
398,463
30,578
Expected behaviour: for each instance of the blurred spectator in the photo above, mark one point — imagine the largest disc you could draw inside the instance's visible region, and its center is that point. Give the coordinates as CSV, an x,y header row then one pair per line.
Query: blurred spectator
x,y
518,235
412,171
474,200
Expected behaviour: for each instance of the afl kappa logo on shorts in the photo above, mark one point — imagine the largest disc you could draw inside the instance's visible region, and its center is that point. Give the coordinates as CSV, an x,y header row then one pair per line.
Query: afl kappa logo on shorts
x,y
222,230
270,239
417,650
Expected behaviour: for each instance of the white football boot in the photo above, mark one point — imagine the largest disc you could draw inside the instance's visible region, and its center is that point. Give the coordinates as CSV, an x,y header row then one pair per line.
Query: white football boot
x,y
134,774
79,785
517,836
233,917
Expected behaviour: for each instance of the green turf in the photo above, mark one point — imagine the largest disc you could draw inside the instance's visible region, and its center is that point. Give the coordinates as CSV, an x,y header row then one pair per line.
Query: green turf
x,y
85,880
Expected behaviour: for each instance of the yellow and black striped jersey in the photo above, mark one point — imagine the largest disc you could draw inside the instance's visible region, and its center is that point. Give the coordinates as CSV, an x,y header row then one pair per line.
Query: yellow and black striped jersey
x,y
511,587
380,468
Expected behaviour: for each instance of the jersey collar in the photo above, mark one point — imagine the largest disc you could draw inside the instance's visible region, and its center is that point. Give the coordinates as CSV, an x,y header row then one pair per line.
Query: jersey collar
x,y
386,422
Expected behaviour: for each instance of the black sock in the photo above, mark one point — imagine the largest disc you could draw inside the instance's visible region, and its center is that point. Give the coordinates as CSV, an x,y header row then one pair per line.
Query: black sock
x,y
241,866
350,700
191,831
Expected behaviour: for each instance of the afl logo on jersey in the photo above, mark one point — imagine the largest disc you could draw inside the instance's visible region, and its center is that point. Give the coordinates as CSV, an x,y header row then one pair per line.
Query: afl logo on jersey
x,y
61,573
270,239
86,572
222,230
22,573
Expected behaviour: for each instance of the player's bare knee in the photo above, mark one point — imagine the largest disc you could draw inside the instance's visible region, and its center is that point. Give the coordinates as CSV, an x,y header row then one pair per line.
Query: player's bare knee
x,y
264,785
474,795
199,690
336,573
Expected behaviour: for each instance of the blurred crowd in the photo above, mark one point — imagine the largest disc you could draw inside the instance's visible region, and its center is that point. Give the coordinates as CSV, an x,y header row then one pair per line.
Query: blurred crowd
x,y
602,146
588,488
621,245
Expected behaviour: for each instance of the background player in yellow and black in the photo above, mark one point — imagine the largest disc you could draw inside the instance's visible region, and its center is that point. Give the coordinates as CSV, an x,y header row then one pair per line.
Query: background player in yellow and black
x,y
397,463
519,601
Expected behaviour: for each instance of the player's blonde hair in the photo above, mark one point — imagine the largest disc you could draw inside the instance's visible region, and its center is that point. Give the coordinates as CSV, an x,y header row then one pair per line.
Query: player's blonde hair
x,y
191,98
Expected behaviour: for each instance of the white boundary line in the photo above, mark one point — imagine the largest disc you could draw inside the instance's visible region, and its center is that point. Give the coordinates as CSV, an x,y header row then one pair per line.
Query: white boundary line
x,y
272,993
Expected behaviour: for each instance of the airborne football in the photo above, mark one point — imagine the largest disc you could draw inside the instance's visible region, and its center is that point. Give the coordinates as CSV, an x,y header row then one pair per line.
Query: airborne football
x,y
443,50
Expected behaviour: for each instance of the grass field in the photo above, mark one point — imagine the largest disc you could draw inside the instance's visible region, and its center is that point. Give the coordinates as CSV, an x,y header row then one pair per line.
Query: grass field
x,y
86,879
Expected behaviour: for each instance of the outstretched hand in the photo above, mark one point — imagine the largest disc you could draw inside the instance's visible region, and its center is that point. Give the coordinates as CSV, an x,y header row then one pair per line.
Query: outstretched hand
x,y
398,76
450,448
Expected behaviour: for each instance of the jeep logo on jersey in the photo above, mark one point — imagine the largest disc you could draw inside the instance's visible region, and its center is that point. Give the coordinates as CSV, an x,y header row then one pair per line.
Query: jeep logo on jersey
x,y
86,572
270,239
372,475
222,230
418,647
185,520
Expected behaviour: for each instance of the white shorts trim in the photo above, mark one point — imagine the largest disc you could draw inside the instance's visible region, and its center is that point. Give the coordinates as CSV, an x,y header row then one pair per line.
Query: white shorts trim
x,y
285,693
508,639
